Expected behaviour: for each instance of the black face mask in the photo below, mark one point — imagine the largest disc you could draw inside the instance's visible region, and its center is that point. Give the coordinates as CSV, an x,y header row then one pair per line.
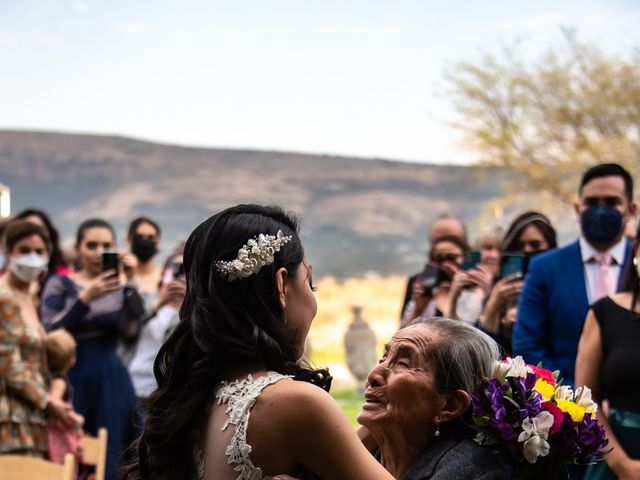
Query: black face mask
x,y
143,248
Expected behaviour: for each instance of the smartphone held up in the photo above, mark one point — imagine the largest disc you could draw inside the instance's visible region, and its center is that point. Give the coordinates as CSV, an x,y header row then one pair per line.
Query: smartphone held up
x,y
110,261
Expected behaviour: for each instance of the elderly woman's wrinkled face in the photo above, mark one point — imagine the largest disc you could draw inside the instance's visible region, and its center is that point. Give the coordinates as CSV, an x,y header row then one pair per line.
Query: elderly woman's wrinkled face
x,y
401,390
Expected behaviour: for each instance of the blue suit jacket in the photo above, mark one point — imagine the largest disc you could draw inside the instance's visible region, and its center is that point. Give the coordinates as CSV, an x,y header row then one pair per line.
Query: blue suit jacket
x,y
552,309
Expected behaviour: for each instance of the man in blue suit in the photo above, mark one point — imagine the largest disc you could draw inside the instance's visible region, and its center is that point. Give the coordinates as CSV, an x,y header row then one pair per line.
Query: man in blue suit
x,y
562,283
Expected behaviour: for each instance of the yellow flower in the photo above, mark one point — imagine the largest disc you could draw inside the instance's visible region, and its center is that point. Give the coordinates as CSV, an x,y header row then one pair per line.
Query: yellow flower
x,y
576,411
545,389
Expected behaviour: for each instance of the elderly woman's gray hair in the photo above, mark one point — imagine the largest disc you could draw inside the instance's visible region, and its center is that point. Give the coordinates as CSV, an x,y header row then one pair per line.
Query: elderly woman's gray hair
x,y
462,355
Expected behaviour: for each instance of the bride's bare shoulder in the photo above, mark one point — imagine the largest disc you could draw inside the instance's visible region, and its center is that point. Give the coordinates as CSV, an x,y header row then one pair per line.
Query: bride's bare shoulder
x,y
291,398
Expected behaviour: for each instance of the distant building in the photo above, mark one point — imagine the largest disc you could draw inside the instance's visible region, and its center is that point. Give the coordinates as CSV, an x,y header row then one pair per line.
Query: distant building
x,y
5,201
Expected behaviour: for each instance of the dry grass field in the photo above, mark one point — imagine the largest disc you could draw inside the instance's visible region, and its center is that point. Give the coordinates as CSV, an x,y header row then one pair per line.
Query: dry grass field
x,y
380,299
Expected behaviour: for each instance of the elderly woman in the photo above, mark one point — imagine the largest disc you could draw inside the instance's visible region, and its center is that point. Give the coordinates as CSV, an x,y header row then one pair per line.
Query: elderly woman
x,y
418,395
417,398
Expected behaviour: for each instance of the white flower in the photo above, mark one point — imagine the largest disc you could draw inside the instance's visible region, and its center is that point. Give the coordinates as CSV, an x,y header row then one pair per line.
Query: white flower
x,y
535,447
564,392
254,255
535,432
582,397
512,367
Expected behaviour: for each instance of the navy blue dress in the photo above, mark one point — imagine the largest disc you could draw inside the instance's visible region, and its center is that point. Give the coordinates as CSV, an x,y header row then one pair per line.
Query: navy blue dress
x,y
103,392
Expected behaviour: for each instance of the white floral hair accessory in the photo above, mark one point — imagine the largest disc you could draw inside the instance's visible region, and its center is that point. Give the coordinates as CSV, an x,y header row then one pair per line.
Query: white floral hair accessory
x,y
257,253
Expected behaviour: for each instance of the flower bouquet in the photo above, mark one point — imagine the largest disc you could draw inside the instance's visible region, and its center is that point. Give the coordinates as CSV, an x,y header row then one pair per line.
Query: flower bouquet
x,y
536,425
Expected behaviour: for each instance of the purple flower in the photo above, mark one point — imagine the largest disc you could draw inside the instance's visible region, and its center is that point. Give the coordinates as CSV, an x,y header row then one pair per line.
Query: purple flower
x,y
591,439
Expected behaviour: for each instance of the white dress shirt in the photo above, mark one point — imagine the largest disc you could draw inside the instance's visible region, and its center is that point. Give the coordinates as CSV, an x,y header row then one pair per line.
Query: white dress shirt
x,y
591,267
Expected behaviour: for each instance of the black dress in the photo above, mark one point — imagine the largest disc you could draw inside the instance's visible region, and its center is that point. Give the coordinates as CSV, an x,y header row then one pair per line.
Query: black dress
x,y
619,377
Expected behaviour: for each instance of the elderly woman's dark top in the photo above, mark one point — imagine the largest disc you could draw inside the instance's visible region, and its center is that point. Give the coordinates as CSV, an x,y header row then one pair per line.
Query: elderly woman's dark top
x,y
449,458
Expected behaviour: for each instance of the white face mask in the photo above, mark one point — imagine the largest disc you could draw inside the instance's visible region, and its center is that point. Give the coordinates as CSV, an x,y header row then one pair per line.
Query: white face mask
x,y
28,267
636,263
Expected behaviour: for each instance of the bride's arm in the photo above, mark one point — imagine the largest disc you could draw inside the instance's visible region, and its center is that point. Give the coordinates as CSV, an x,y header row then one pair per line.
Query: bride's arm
x,y
319,437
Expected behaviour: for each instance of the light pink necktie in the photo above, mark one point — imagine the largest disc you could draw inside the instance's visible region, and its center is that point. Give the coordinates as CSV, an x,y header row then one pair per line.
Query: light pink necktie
x,y
605,278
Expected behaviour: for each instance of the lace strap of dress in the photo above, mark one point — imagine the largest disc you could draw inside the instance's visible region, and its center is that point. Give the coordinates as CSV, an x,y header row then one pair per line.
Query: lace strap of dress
x,y
240,396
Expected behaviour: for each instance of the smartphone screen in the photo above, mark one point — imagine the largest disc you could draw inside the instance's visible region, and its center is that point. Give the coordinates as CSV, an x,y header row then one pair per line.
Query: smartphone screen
x,y
512,263
110,261
471,260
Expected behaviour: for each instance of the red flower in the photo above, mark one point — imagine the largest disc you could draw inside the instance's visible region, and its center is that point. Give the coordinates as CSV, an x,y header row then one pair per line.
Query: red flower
x,y
544,374
558,416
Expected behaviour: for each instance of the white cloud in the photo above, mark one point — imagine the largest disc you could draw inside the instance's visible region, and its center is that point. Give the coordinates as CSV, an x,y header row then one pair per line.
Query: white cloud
x,y
80,6
34,12
131,26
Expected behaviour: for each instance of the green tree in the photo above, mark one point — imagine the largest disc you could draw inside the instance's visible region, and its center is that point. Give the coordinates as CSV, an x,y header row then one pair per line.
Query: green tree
x,y
549,119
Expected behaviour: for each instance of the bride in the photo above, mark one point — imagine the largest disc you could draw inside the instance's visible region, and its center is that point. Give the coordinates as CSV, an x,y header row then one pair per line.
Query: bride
x,y
232,402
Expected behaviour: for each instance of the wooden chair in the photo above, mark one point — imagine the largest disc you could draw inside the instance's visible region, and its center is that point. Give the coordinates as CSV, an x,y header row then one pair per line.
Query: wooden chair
x,y
21,467
94,452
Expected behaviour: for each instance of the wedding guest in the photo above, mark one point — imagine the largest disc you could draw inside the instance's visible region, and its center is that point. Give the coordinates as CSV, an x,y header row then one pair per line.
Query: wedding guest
x,y
248,308
445,225
156,330
58,264
63,437
24,401
608,362
471,287
418,398
143,236
562,283
432,288
98,308
530,233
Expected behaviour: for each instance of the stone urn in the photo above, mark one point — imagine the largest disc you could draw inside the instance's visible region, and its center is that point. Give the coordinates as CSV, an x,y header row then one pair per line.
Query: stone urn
x,y
360,347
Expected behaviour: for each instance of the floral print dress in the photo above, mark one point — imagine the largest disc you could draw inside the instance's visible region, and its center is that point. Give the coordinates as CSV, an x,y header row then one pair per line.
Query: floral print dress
x,y
23,373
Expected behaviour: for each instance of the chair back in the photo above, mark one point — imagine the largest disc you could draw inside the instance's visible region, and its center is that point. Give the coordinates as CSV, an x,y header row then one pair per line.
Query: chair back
x,y
94,452
22,467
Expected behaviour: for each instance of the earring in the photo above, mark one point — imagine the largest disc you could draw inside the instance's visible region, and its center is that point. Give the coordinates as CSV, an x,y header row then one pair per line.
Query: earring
x,y
437,428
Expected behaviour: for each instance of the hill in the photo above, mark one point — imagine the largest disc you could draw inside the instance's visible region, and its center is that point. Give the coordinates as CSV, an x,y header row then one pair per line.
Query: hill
x,y
359,215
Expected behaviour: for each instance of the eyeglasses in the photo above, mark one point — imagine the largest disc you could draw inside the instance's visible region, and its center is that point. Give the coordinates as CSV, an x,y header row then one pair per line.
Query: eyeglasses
x,y
447,258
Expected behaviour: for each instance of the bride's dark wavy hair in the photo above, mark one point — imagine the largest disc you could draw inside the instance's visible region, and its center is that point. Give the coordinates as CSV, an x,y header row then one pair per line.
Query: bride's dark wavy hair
x,y
224,327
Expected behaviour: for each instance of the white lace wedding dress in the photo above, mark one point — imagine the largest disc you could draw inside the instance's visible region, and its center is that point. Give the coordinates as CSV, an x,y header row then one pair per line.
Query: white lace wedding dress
x,y
240,396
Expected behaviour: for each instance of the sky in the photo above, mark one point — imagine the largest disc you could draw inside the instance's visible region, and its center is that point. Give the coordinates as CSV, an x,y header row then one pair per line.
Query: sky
x,y
348,77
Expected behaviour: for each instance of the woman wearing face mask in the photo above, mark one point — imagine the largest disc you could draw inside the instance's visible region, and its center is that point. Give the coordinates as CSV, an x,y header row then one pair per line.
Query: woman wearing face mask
x,y
143,236
24,402
158,327
58,264
608,362
97,307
